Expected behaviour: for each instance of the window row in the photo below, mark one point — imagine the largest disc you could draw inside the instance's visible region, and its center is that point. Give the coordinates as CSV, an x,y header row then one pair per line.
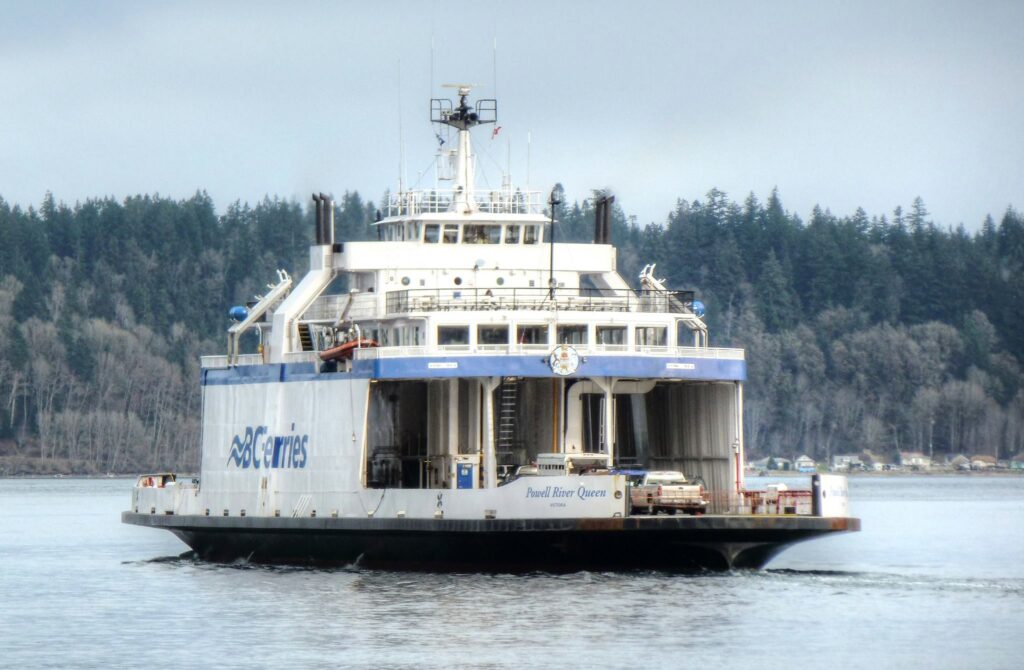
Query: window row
x,y
576,334
413,335
449,233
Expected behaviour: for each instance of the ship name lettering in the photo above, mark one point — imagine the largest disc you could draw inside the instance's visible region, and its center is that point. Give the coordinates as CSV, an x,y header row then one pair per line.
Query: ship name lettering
x,y
583,492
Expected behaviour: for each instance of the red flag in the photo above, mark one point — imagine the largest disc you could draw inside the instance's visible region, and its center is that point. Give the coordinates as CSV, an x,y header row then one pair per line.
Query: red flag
x,y
494,133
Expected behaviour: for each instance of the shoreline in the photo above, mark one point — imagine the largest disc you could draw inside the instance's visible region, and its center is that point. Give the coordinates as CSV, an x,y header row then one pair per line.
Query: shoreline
x,y
991,472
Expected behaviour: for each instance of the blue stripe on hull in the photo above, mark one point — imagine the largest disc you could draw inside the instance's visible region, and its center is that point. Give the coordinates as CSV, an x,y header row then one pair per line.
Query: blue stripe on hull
x,y
439,367
537,366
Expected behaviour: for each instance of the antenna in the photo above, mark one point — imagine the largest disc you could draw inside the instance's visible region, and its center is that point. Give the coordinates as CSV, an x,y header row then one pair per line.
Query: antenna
x,y
529,137
494,61
431,64
401,139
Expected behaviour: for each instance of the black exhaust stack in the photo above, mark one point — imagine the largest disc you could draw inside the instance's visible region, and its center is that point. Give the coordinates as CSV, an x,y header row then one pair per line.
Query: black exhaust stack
x,y
608,218
602,220
324,219
328,225
319,220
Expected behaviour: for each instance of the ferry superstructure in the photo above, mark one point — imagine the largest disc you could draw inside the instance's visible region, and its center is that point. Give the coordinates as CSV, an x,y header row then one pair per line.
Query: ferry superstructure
x,y
467,391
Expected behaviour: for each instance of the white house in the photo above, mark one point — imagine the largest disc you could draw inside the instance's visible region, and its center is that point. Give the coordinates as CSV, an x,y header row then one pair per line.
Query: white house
x,y
846,462
805,464
915,459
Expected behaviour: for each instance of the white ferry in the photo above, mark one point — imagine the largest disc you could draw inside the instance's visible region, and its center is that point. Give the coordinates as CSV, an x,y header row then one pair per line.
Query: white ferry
x,y
466,391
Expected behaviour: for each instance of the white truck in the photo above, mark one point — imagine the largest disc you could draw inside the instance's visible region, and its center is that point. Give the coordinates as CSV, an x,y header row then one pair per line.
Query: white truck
x,y
667,491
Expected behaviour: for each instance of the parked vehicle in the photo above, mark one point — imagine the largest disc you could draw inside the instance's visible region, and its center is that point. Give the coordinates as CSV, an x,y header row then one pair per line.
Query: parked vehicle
x,y
667,491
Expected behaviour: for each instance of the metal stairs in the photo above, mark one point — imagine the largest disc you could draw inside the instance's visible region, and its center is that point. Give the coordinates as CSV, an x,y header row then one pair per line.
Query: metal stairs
x,y
305,338
508,400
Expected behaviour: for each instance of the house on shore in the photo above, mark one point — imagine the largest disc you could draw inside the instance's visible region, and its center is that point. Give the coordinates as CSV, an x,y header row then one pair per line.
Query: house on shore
x,y
959,462
771,463
805,464
915,460
983,462
847,462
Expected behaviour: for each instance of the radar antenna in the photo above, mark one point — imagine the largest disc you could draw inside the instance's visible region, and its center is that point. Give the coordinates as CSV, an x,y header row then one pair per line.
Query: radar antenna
x,y
464,116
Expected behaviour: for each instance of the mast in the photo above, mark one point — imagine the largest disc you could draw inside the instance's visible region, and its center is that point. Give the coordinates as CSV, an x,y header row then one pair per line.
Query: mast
x,y
463,118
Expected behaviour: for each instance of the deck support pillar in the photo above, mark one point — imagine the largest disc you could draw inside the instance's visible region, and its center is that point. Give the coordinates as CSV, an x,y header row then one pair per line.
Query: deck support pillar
x,y
607,386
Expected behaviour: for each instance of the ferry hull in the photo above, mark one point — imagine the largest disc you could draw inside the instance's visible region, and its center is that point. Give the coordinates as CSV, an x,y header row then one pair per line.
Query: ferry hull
x,y
673,543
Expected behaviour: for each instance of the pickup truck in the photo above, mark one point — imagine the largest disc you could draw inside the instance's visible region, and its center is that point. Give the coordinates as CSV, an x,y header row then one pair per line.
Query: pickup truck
x,y
668,491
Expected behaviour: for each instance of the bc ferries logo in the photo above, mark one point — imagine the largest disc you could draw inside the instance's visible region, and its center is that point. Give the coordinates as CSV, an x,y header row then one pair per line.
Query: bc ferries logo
x,y
257,448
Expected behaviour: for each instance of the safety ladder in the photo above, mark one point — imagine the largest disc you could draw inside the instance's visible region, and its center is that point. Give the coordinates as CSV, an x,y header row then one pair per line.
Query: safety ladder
x,y
508,399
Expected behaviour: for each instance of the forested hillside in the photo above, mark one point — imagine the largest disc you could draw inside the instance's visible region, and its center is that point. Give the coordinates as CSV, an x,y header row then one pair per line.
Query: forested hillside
x,y
878,333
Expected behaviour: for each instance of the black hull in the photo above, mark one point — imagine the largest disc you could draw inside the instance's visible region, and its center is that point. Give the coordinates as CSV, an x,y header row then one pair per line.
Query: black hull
x,y
667,542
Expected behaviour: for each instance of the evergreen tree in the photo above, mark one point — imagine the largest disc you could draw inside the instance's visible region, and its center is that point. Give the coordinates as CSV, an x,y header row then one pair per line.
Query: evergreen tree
x,y
775,302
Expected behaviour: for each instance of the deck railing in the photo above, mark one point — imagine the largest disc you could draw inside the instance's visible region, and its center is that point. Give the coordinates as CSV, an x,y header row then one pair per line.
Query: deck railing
x,y
435,201
798,502
576,299
222,361
329,307
372,353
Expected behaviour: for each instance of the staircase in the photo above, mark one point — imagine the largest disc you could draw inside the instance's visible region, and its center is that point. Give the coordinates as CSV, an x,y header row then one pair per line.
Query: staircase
x,y
305,338
508,398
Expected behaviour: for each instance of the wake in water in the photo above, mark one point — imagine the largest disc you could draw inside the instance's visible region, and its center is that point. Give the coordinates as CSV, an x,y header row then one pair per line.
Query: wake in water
x,y
193,560
892,581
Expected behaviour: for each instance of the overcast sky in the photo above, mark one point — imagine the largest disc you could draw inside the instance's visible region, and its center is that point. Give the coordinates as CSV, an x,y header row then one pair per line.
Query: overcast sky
x,y
843,104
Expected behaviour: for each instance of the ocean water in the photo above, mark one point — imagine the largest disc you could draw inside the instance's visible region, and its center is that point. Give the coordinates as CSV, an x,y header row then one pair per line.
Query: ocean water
x,y
934,580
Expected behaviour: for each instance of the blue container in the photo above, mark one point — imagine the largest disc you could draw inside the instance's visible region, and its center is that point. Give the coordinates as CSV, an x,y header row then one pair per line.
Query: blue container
x,y
465,476
238,313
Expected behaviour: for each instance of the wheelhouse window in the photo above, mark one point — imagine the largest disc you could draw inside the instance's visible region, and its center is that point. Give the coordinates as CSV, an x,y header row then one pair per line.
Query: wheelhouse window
x,y
651,336
530,235
574,334
451,233
480,234
512,234
432,233
611,334
492,335
530,334
452,335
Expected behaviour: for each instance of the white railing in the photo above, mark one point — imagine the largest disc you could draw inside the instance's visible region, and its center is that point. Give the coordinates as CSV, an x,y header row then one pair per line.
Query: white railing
x,y
435,201
372,353
222,361
302,357
330,307
719,353
517,299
